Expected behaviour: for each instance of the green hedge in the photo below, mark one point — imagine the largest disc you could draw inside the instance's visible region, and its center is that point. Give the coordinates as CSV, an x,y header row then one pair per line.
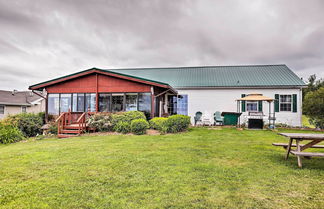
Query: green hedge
x,y
122,127
158,123
139,126
29,124
177,123
9,134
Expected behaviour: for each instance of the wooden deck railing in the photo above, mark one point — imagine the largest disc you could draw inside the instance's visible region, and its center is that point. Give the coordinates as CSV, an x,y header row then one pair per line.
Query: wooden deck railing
x,y
69,118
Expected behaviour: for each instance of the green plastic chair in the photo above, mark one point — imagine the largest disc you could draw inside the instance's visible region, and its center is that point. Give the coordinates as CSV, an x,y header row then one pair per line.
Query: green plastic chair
x,y
218,118
198,117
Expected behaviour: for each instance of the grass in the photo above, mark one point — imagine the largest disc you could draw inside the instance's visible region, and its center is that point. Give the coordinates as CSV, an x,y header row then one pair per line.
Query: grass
x,y
305,121
201,168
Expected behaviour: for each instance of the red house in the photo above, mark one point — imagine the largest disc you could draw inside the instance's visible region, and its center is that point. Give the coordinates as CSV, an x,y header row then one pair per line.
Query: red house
x,y
96,90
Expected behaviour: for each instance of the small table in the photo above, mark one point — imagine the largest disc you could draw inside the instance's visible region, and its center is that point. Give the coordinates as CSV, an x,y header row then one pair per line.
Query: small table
x,y
313,138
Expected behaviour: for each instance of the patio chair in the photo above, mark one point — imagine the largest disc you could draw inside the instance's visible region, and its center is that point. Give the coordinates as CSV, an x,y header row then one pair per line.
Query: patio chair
x,y
198,117
207,119
218,118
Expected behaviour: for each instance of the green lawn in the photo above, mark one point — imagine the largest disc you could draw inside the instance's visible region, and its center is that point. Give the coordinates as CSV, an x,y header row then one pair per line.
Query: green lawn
x,y
201,168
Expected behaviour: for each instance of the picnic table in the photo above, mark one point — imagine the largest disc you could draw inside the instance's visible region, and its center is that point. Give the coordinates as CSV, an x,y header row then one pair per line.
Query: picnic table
x,y
314,140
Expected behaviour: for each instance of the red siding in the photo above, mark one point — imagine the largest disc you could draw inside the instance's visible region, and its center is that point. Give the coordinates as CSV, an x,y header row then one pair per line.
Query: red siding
x,y
87,84
111,84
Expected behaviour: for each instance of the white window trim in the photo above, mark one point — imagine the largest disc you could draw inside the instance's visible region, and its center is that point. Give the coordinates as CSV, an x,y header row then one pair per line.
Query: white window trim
x,y
257,106
4,109
291,102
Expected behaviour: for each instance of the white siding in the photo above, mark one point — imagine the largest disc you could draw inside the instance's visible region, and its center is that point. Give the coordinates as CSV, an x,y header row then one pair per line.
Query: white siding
x,y
212,100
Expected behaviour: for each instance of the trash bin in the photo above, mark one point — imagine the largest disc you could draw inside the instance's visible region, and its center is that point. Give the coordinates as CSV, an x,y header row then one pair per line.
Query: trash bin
x,y
231,118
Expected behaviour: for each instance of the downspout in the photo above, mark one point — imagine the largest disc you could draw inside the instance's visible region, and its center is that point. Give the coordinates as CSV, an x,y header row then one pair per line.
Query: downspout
x,y
46,104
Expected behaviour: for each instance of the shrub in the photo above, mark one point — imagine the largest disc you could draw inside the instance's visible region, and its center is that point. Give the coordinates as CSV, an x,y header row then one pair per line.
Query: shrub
x,y
158,123
313,107
100,121
9,134
177,123
133,115
117,117
127,117
122,127
28,123
139,126
52,129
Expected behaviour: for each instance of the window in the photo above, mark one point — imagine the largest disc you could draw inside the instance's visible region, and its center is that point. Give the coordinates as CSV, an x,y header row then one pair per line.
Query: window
x,y
23,109
80,102
54,104
74,102
117,102
251,106
131,102
104,102
178,104
2,109
65,102
182,105
144,103
90,102
285,102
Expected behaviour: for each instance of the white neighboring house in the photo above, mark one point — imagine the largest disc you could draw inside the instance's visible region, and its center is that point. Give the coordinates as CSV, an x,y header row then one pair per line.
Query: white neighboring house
x,y
216,88
15,102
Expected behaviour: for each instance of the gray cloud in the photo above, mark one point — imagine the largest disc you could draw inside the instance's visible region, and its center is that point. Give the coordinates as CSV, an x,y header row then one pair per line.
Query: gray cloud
x,y
40,40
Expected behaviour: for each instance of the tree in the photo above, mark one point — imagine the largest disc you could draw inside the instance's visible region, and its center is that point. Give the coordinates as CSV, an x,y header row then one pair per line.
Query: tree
x,y
313,107
313,85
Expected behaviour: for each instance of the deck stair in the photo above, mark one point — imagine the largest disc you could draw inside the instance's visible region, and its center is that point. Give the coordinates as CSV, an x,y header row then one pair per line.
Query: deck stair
x,y
70,124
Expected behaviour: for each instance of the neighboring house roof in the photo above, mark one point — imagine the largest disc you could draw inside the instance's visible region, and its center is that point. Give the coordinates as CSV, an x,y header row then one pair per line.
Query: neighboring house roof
x,y
21,98
220,76
196,77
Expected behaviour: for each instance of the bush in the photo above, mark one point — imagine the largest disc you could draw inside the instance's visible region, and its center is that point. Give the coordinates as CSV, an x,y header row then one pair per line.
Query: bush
x,y
52,129
122,127
9,134
177,123
100,121
127,117
158,123
313,107
139,126
29,124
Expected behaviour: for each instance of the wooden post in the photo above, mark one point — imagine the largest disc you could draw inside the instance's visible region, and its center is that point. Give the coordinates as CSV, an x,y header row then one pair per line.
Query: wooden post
x,y
298,156
97,94
152,102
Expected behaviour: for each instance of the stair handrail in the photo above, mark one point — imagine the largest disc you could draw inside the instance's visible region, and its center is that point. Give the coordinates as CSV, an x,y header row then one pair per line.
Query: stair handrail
x,y
60,122
81,122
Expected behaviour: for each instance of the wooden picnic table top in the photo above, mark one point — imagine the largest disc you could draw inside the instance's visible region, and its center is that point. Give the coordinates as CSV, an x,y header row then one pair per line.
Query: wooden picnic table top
x,y
303,136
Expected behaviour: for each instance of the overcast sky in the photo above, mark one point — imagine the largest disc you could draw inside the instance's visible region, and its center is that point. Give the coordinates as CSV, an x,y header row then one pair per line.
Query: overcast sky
x,y
41,40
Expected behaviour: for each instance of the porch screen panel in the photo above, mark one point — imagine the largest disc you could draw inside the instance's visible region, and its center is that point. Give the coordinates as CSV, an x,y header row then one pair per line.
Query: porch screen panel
x,y
65,102
90,104
80,106
74,102
117,102
131,102
104,102
144,103
53,104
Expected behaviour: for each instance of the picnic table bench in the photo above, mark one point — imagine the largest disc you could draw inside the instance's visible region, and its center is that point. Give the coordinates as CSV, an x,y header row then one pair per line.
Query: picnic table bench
x,y
314,140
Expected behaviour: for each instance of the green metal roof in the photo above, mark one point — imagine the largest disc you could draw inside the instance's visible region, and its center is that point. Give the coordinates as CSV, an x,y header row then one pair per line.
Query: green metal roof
x,y
219,76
